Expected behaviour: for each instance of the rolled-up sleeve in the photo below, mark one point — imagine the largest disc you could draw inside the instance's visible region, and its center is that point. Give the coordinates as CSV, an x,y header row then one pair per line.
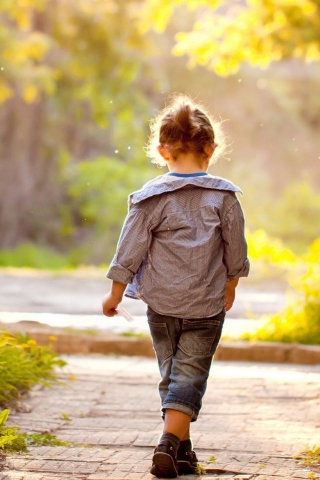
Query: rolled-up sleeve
x,y
132,247
235,245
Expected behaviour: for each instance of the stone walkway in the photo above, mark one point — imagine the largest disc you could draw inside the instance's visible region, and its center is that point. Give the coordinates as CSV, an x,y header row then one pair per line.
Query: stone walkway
x,y
255,418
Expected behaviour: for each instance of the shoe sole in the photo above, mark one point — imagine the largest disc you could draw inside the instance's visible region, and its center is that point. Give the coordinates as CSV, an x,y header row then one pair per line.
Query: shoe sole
x,y
163,466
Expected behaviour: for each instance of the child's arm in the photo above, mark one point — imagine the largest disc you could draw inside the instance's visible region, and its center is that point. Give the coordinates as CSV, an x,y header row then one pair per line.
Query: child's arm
x,y
235,251
111,301
230,293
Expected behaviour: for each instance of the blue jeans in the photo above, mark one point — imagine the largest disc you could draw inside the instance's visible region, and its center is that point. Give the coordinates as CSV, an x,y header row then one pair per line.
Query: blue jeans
x,y
184,349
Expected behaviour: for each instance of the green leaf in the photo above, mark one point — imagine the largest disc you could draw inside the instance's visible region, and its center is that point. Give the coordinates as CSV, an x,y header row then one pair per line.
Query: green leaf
x,y
4,417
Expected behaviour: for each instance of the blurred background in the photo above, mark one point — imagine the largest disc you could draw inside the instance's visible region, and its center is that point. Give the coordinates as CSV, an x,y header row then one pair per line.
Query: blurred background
x,y
80,80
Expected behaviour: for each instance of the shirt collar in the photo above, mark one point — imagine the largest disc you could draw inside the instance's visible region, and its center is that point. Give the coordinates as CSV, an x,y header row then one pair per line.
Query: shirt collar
x,y
186,175
169,183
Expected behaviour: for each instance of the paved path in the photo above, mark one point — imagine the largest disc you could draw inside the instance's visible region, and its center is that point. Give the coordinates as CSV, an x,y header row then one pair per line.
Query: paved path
x,y
255,418
74,294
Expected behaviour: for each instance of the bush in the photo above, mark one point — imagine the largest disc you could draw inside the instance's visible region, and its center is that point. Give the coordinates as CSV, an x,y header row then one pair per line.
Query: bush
x,y
32,256
292,216
269,257
262,246
300,320
13,440
23,363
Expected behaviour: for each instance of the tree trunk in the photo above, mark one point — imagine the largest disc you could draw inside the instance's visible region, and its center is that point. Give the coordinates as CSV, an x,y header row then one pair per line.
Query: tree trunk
x,y
21,169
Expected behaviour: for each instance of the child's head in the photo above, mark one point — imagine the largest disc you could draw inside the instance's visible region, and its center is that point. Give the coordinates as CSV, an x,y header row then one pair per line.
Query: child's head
x,y
184,127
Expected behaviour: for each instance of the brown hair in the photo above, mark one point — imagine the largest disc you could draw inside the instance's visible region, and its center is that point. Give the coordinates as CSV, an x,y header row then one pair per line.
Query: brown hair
x,y
183,126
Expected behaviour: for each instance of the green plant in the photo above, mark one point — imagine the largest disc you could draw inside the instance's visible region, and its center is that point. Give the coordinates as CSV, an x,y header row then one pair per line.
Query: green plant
x,y
13,440
310,456
200,469
23,363
33,256
300,320
87,331
9,437
131,333
44,439
312,475
269,257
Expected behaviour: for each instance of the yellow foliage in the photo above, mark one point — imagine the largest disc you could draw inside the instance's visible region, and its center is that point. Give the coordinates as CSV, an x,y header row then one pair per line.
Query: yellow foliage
x,y
5,91
313,253
313,52
36,46
28,4
32,46
161,16
30,93
23,20
299,321
262,246
308,8
257,31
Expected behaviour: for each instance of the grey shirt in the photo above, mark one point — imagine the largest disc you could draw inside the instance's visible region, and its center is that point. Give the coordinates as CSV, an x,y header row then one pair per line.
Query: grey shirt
x,y
182,240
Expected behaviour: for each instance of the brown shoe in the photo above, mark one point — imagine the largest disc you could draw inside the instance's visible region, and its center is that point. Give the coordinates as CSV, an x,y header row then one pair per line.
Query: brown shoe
x,y
164,461
187,461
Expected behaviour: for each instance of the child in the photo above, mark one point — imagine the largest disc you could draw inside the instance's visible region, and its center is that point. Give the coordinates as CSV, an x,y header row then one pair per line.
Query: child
x,y
181,250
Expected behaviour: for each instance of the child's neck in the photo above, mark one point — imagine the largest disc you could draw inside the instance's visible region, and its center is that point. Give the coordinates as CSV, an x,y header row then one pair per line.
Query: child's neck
x,y
187,164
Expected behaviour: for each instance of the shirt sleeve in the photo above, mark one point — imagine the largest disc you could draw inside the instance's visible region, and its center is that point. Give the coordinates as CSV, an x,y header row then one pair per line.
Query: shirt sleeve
x,y
235,245
132,247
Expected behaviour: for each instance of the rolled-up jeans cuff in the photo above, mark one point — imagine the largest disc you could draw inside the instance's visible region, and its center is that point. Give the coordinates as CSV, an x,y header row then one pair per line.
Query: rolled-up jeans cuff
x,y
181,408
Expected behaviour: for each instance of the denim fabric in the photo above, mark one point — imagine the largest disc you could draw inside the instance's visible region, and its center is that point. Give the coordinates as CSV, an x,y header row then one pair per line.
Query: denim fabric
x,y
184,349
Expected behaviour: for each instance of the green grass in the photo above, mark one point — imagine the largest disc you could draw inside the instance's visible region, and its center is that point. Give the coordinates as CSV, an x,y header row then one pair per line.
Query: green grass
x,y
131,333
33,256
310,456
87,331
30,255
12,440
23,363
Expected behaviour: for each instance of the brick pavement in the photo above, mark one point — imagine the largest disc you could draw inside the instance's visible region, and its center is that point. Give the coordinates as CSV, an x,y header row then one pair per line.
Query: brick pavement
x,y
255,418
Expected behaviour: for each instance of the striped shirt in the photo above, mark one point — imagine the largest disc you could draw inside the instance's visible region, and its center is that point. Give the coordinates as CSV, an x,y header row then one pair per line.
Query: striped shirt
x,y
182,240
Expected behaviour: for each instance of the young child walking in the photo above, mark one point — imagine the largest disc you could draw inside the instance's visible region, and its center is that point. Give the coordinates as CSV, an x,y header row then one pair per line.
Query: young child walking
x,y
182,250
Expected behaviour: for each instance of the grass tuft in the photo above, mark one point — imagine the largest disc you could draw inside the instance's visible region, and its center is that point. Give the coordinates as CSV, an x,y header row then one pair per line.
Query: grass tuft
x,y
23,364
12,440
310,456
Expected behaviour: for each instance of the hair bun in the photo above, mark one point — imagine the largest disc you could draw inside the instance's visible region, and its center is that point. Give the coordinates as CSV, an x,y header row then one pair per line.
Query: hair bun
x,y
182,119
181,127
186,121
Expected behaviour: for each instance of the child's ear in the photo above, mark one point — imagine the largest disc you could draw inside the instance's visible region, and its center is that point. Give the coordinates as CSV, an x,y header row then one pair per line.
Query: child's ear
x,y
209,149
163,152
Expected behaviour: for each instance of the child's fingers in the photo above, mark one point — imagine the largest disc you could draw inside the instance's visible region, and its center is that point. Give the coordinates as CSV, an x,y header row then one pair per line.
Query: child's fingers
x,y
227,305
110,312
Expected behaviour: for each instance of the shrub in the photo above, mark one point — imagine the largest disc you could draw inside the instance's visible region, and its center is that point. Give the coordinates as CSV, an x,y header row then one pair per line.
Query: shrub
x,y
269,257
32,256
13,440
23,363
300,320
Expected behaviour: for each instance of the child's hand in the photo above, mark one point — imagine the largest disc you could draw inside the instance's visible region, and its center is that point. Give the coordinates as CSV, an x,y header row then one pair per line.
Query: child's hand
x,y
230,294
111,301
229,297
110,304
